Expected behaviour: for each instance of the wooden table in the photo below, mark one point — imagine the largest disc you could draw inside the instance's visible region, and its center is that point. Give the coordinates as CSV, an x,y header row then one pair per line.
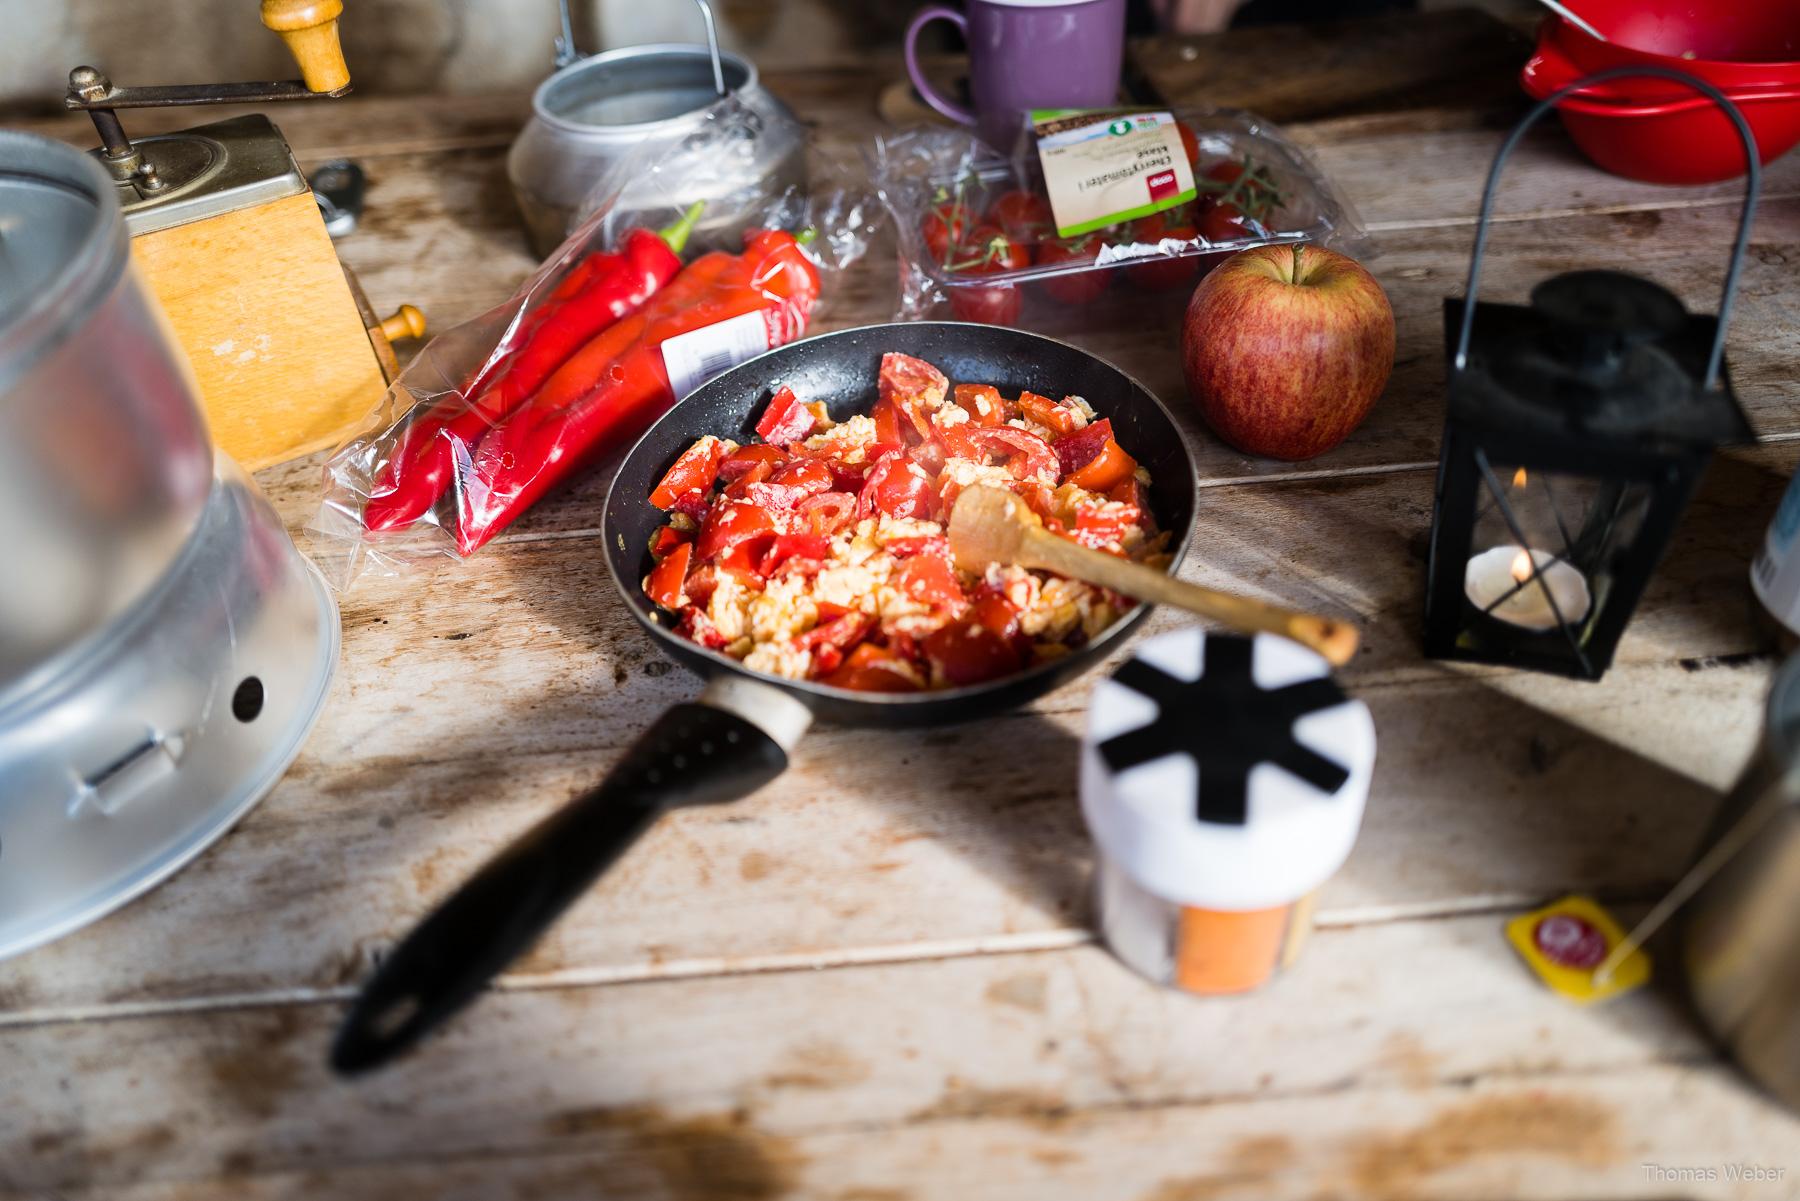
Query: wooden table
x,y
874,981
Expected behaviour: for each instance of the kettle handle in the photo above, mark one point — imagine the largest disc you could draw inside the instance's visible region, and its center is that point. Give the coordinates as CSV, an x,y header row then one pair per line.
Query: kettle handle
x,y
1752,190
566,52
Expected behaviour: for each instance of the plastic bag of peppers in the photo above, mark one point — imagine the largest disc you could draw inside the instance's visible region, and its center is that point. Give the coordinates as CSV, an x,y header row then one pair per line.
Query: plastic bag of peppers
x,y
631,313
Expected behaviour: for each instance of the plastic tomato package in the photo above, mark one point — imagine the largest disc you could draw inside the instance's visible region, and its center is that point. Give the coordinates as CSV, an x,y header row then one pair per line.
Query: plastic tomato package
x,y
633,311
1093,212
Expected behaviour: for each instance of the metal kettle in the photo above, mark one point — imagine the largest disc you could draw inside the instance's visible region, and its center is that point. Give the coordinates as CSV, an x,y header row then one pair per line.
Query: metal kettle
x,y
1740,939
593,112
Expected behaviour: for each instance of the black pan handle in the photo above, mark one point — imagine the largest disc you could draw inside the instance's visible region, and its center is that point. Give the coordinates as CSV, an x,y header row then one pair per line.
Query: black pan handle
x,y
695,754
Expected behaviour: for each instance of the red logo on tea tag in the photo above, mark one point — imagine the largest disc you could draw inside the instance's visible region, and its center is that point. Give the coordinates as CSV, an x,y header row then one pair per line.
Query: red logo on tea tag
x,y
1570,941
1161,184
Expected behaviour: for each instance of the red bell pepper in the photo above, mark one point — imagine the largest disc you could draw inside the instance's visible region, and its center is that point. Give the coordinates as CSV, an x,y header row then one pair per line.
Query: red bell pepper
x,y
596,294
618,382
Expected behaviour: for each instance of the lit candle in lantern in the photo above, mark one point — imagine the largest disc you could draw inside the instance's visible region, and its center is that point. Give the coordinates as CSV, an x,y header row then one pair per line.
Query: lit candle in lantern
x,y
1494,573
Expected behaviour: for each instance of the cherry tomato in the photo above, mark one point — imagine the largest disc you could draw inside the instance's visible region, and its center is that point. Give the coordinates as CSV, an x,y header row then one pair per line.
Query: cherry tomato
x,y
909,388
990,249
663,584
897,487
1077,287
1023,216
988,252
1257,193
968,652
870,668
831,638
945,225
1167,270
785,420
695,470
1189,142
730,525
1223,222
696,626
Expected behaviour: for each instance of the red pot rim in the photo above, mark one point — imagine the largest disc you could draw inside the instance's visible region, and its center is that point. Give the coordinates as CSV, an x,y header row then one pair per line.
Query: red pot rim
x,y
1556,29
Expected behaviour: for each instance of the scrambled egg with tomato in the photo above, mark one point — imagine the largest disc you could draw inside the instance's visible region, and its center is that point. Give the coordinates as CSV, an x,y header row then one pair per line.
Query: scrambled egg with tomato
x,y
819,552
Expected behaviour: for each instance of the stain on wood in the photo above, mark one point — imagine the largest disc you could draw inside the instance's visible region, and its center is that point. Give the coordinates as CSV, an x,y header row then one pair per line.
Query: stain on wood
x,y
1406,1058
1040,1107
1244,1169
820,1065
260,1066
1536,1123
1025,991
707,1157
755,865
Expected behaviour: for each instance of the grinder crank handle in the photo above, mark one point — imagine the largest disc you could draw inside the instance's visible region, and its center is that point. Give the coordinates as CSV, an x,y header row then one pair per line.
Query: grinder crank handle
x,y
696,754
310,29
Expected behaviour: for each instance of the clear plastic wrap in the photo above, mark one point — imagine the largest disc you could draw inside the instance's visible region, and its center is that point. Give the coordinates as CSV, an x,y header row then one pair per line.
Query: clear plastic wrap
x,y
977,241
641,305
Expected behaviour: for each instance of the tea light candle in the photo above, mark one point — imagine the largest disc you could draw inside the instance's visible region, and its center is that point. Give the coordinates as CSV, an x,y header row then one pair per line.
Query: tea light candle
x,y
1493,573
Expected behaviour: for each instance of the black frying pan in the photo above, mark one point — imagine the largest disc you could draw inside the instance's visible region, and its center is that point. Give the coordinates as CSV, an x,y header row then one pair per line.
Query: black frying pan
x,y
735,737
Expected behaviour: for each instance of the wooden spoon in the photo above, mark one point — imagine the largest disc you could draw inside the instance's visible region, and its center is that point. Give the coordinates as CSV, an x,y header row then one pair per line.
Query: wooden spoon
x,y
991,525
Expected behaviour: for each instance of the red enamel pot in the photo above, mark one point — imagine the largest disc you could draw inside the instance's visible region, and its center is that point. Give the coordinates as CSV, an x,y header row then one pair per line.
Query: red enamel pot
x,y
1654,129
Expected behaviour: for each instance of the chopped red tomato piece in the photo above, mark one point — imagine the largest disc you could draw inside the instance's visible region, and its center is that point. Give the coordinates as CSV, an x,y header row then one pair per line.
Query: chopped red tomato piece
x,y
666,539
1048,413
785,420
896,487
741,460
696,626
870,668
918,544
930,580
791,546
982,402
1028,456
1074,452
806,476
731,524
692,504
743,487
912,387
1106,470
842,632
968,652
694,471
663,584
826,513
1103,523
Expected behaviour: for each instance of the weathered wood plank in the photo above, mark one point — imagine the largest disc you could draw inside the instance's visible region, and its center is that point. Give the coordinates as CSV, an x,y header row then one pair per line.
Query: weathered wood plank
x,y
1463,60
1393,1048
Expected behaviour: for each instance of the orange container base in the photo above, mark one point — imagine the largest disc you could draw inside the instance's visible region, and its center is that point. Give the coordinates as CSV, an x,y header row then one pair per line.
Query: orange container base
x,y
1221,952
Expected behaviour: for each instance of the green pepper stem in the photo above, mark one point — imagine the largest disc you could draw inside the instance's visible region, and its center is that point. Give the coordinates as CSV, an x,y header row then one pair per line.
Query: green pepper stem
x,y
806,236
676,235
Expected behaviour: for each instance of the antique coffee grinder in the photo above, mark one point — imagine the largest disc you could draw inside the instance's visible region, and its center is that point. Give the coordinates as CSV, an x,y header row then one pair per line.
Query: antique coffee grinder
x,y
228,236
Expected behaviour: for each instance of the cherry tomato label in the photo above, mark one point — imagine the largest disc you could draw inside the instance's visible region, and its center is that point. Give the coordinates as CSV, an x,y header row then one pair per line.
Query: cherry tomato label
x,y
1103,168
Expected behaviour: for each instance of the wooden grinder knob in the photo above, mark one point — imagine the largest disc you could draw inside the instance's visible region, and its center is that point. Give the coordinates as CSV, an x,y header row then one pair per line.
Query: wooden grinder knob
x,y
407,322
310,29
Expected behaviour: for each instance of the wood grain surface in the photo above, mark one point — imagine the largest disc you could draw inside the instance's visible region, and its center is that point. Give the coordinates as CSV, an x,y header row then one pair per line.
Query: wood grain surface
x,y
874,981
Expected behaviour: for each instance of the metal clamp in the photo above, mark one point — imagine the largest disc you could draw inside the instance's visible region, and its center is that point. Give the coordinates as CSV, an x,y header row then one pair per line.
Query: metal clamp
x,y
1752,190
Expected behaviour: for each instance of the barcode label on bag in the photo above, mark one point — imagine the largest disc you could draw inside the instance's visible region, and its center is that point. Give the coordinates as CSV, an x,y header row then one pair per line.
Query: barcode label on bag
x,y
696,356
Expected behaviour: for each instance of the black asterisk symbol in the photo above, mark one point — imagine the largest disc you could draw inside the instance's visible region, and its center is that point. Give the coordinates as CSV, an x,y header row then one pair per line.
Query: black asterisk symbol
x,y
1226,725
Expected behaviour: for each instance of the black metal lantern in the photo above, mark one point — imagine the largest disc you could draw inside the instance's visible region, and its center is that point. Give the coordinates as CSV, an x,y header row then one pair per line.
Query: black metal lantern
x,y
1576,432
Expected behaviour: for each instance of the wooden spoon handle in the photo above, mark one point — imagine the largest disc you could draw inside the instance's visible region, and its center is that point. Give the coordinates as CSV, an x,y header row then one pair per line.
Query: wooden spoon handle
x,y
1335,640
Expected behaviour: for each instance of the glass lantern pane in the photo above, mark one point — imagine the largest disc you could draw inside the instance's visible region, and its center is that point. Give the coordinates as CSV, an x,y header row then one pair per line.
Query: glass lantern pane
x,y
1546,556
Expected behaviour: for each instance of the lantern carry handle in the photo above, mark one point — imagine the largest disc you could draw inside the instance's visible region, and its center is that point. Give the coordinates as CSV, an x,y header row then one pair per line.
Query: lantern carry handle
x,y
1752,189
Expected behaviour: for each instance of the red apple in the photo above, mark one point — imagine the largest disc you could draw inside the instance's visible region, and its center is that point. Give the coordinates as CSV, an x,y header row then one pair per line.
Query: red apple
x,y
1285,349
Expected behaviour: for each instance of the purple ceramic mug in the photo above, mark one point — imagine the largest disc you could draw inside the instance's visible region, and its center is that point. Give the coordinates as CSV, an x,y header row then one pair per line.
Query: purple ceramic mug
x,y
1026,54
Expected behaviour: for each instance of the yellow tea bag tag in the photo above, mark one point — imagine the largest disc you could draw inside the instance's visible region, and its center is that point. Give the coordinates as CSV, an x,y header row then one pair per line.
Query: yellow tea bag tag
x,y
1567,940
